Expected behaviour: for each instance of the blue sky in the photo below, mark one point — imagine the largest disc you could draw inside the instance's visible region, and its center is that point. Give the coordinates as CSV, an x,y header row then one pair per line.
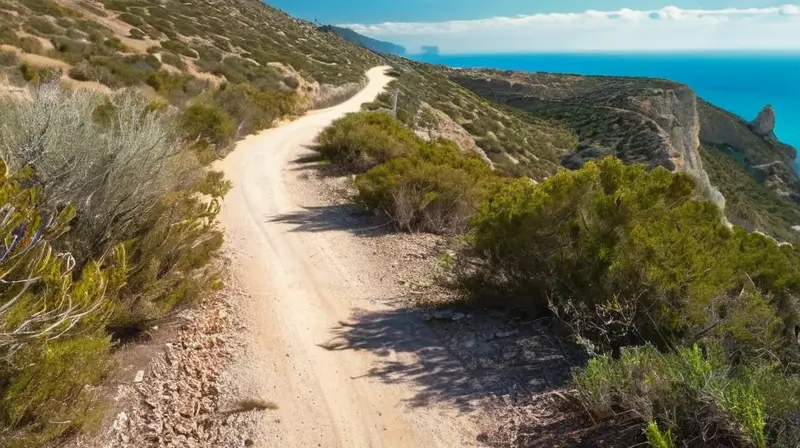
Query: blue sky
x,y
375,11
490,26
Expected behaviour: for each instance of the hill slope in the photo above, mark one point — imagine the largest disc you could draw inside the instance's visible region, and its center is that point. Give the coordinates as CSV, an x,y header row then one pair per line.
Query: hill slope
x,y
188,44
659,123
366,42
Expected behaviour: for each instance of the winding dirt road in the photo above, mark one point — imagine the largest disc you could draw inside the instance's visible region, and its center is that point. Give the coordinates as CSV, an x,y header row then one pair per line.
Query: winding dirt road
x,y
299,285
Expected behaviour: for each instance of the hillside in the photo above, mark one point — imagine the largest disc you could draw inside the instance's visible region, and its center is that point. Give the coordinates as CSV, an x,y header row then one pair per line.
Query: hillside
x,y
412,256
364,41
177,49
514,141
659,123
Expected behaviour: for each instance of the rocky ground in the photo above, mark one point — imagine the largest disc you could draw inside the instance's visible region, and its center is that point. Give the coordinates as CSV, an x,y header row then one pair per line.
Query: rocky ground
x,y
166,391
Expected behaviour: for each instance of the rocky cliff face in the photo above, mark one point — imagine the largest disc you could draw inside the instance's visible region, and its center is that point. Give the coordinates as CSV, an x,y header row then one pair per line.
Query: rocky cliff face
x,y
676,115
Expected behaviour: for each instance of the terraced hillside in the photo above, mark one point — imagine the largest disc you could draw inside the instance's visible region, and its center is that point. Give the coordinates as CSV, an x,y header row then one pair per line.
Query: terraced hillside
x,y
177,48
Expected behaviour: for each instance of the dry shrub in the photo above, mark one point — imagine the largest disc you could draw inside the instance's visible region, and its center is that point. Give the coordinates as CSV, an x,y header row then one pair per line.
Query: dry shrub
x,y
112,172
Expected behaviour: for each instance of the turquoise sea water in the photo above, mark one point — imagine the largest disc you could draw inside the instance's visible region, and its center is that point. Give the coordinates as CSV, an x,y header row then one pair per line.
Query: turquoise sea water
x,y
738,82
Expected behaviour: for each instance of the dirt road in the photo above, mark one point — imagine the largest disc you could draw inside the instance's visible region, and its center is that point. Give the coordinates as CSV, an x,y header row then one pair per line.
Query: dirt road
x,y
300,283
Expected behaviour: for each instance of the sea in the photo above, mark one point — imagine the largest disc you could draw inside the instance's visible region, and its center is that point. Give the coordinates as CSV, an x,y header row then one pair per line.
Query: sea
x,y
742,83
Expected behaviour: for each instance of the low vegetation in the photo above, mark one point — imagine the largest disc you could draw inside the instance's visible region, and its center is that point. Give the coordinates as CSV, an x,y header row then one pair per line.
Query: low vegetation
x,y
419,185
364,140
433,188
515,141
109,223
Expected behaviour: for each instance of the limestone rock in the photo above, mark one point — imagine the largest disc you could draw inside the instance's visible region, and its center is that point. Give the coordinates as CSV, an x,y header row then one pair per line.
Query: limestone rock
x,y
764,124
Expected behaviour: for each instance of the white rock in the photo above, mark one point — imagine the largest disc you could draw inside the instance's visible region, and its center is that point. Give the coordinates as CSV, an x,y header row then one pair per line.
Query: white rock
x,y
139,377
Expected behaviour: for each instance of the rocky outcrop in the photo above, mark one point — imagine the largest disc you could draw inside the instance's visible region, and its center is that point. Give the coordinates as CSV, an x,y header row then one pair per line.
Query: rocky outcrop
x,y
764,124
754,146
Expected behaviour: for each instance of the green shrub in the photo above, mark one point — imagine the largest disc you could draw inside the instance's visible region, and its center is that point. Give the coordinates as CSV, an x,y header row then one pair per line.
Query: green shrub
x,y
36,75
8,59
131,19
253,109
84,71
658,439
179,236
694,396
136,33
52,343
175,61
115,44
179,47
207,121
363,140
118,160
433,188
41,27
624,255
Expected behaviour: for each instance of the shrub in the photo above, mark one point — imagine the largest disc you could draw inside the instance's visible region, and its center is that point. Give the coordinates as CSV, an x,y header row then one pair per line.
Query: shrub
x,y
115,44
51,327
8,59
624,255
171,59
36,75
363,140
179,237
112,171
131,19
695,396
41,27
179,47
136,33
208,122
253,109
117,160
434,188
84,71
30,45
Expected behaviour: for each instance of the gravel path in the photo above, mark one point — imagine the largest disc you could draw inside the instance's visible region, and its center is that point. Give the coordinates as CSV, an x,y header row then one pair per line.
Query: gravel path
x,y
320,326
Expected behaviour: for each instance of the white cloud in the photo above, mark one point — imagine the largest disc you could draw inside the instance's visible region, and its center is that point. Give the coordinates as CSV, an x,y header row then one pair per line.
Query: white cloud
x,y
669,28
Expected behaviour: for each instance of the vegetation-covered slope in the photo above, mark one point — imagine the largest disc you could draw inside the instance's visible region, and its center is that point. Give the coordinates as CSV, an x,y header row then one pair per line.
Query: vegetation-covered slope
x,y
658,123
513,140
600,110
178,47
366,42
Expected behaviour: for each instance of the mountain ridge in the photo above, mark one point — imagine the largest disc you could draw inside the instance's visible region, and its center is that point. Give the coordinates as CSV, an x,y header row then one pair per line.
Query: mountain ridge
x,y
365,41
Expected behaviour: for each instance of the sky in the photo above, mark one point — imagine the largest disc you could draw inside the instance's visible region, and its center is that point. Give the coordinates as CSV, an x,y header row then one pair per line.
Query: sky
x,y
492,26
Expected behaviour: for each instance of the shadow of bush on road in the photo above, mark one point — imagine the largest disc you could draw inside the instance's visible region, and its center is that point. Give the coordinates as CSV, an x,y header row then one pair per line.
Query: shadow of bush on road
x,y
345,217
455,357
